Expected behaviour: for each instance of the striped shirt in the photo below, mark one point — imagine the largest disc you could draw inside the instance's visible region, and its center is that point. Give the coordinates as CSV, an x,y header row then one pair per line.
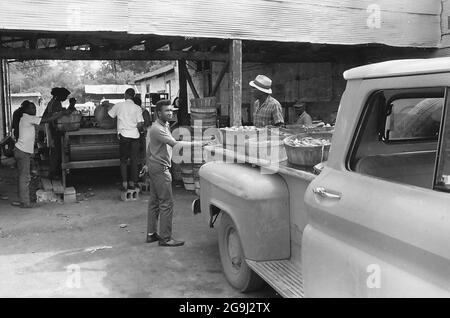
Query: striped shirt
x,y
269,113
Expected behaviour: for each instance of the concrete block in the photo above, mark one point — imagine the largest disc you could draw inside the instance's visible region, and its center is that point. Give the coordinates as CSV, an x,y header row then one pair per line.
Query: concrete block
x,y
46,196
70,195
130,195
144,186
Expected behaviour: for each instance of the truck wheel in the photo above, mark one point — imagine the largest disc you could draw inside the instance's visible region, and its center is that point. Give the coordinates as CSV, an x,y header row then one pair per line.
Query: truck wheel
x,y
236,270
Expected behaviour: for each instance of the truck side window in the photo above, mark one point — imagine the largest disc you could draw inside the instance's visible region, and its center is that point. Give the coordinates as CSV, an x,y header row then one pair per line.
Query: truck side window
x,y
414,118
442,179
397,138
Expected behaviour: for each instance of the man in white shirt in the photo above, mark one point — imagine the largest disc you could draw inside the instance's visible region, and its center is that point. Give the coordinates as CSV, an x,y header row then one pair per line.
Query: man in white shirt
x,y
25,148
129,121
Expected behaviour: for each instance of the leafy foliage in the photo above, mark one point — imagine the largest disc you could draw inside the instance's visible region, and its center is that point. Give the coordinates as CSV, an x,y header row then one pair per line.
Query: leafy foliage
x,y
41,76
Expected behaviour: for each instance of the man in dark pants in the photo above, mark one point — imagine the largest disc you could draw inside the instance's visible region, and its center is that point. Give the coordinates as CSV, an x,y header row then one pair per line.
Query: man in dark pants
x,y
54,106
159,160
129,121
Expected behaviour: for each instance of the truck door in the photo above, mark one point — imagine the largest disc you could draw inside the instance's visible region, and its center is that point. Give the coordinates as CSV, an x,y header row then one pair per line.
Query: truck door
x,y
379,216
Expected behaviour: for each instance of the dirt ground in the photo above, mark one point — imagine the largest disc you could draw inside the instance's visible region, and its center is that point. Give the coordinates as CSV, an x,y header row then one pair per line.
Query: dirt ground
x,y
80,249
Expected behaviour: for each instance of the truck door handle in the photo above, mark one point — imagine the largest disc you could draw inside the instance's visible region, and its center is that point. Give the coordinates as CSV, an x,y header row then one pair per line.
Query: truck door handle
x,y
325,194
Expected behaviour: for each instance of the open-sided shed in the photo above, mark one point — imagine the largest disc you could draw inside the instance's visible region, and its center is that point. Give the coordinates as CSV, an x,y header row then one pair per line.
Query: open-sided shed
x,y
231,32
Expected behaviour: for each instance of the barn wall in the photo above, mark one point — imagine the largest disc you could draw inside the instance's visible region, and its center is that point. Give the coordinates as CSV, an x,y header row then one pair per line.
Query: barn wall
x,y
320,85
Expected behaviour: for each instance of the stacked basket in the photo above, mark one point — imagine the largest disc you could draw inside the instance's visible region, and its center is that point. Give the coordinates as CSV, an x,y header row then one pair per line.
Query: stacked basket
x,y
203,119
187,176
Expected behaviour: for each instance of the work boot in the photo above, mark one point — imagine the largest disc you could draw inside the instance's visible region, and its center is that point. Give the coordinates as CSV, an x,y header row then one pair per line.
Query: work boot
x,y
171,242
153,238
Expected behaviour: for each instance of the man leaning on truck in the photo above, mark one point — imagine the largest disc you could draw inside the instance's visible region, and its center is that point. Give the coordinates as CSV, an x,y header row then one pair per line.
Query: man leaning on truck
x,y
159,158
129,120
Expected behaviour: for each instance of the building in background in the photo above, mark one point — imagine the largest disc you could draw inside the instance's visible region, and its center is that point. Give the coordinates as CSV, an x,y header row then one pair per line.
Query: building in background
x,y
111,92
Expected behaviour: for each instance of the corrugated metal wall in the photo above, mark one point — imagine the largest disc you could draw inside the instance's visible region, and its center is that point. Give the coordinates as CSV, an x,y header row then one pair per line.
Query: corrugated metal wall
x,y
396,23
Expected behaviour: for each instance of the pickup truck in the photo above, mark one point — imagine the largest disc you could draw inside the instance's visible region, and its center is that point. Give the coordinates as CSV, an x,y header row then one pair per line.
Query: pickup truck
x,y
375,222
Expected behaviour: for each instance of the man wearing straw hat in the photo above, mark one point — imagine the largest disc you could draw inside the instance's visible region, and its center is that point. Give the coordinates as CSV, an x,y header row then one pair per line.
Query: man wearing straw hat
x,y
268,110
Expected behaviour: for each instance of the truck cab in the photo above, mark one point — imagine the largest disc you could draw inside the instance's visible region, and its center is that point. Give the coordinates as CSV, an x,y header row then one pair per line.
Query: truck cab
x,y
374,223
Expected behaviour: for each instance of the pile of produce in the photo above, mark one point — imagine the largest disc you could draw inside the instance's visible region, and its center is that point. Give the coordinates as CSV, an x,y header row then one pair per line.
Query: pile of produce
x,y
241,128
307,142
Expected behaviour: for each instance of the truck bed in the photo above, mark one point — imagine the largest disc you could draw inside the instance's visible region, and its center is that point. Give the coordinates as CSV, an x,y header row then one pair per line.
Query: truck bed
x,y
218,153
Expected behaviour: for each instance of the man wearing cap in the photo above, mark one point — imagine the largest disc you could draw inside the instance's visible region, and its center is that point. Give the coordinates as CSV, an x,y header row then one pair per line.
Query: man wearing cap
x,y
129,121
303,118
268,110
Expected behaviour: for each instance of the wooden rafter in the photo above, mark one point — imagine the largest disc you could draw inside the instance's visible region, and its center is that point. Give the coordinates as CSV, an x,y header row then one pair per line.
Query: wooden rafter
x,y
100,53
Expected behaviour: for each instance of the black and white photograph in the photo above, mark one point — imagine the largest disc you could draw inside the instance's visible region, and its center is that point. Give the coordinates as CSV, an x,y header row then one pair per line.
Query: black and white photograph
x,y
225,154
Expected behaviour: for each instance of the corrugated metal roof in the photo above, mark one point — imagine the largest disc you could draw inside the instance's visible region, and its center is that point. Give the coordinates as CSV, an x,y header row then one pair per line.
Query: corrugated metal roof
x,y
108,89
402,22
161,70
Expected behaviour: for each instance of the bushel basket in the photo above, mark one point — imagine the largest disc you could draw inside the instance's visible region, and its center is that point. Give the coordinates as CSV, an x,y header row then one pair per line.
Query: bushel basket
x,y
306,155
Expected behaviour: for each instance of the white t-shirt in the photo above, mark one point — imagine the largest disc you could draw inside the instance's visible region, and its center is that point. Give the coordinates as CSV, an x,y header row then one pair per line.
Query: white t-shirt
x,y
27,132
128,116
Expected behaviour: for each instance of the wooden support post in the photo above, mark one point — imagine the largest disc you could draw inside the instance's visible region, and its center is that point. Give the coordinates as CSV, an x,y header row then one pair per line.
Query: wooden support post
x,y
236,82
191,83
183,119
220,78
2,104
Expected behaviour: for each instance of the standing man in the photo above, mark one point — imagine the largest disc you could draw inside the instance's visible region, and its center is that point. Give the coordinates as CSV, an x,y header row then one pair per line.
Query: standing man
x,y
268,110
54,106
159,160
129,121
303,117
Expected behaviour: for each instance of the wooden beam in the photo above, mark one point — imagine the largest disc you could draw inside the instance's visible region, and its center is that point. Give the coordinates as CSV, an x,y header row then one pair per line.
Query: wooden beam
x,y
220,78
236,82
189,79
183,118
56,54
154,44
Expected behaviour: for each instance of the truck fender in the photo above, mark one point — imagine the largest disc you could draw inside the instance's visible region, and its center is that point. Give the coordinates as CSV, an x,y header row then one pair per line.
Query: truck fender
x,y
257,203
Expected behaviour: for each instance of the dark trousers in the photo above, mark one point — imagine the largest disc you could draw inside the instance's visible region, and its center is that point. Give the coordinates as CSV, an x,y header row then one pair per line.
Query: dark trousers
x,y
55,154
23,175
129,149
160,204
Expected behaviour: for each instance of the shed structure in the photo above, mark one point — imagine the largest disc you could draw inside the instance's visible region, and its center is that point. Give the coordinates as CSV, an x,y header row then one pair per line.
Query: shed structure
x,y
233,33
